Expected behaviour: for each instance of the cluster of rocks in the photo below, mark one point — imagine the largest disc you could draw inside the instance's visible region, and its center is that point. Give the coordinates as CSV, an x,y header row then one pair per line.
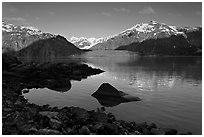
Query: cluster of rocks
x,y
54,76
21,117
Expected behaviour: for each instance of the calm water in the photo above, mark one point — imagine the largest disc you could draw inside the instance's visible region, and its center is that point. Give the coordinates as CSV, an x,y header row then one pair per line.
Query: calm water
x,y
170,88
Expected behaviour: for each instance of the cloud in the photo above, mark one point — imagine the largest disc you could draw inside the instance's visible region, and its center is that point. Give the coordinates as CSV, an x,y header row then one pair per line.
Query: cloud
x,y
18,19
147,10
121,10
106,14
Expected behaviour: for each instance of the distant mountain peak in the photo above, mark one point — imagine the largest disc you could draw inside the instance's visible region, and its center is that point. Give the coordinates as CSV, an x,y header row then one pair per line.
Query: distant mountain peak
x,y
85,43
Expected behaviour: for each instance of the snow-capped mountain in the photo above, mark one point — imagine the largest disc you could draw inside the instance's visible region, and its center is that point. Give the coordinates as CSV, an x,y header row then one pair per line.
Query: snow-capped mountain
x,y
85,43
15,38
138,33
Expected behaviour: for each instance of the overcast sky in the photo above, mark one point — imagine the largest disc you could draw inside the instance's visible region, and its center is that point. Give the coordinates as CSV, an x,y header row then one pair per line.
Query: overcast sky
x,y
99,19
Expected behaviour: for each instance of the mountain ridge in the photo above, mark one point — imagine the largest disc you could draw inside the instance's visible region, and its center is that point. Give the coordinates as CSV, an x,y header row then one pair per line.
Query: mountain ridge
x,y
138,33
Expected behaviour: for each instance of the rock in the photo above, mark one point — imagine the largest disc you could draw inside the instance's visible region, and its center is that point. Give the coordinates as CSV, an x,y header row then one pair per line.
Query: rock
x,y
68,130
136,133
7,109
145,131
45,107
49,114
48,132
18,102
18,119
91,128
32,111
108,90
26,128
109,96
79,113
100,117
55,124
111,129
60,85
24,91
140,126
84,130
76,72
170,131
157,131
103,109
152,125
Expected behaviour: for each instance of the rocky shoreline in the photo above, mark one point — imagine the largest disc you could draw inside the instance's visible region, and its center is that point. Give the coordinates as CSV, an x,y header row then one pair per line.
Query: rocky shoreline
x,y
22,117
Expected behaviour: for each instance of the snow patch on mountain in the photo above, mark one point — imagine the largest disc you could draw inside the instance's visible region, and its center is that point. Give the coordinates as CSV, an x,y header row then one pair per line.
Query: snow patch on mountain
x,y
85,43
17,37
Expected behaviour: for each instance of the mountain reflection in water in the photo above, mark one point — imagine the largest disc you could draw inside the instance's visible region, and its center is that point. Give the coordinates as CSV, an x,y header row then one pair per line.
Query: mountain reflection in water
x,y
150,73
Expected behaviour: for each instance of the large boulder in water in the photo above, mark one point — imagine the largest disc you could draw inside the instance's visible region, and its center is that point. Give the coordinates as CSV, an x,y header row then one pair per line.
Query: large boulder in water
x,y
109,96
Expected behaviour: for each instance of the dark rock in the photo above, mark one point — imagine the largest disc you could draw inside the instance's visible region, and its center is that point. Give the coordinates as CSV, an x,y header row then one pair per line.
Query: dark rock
x,y
103,109
92,128
157,131
60,85
68,130
79,113
140,126
100,117
24,91
109,96
48,132
55,124
76,72
170,131
84,130
49,114
152,125
111,129
32,111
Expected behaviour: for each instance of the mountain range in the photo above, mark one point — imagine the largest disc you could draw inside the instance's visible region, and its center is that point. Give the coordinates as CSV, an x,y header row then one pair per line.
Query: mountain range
x,y
138,33
150,38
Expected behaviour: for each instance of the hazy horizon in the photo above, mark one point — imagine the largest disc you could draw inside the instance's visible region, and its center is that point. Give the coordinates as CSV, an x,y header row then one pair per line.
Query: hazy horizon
x,y
96,19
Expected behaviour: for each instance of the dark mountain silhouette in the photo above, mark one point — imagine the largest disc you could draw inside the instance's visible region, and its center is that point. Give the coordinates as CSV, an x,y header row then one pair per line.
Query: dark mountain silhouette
x,y
51,48
173,45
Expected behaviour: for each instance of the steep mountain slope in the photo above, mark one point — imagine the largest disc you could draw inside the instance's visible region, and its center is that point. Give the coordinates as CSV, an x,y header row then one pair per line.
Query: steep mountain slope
x,y
15,38
139,33
51,48
194,35
173,45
